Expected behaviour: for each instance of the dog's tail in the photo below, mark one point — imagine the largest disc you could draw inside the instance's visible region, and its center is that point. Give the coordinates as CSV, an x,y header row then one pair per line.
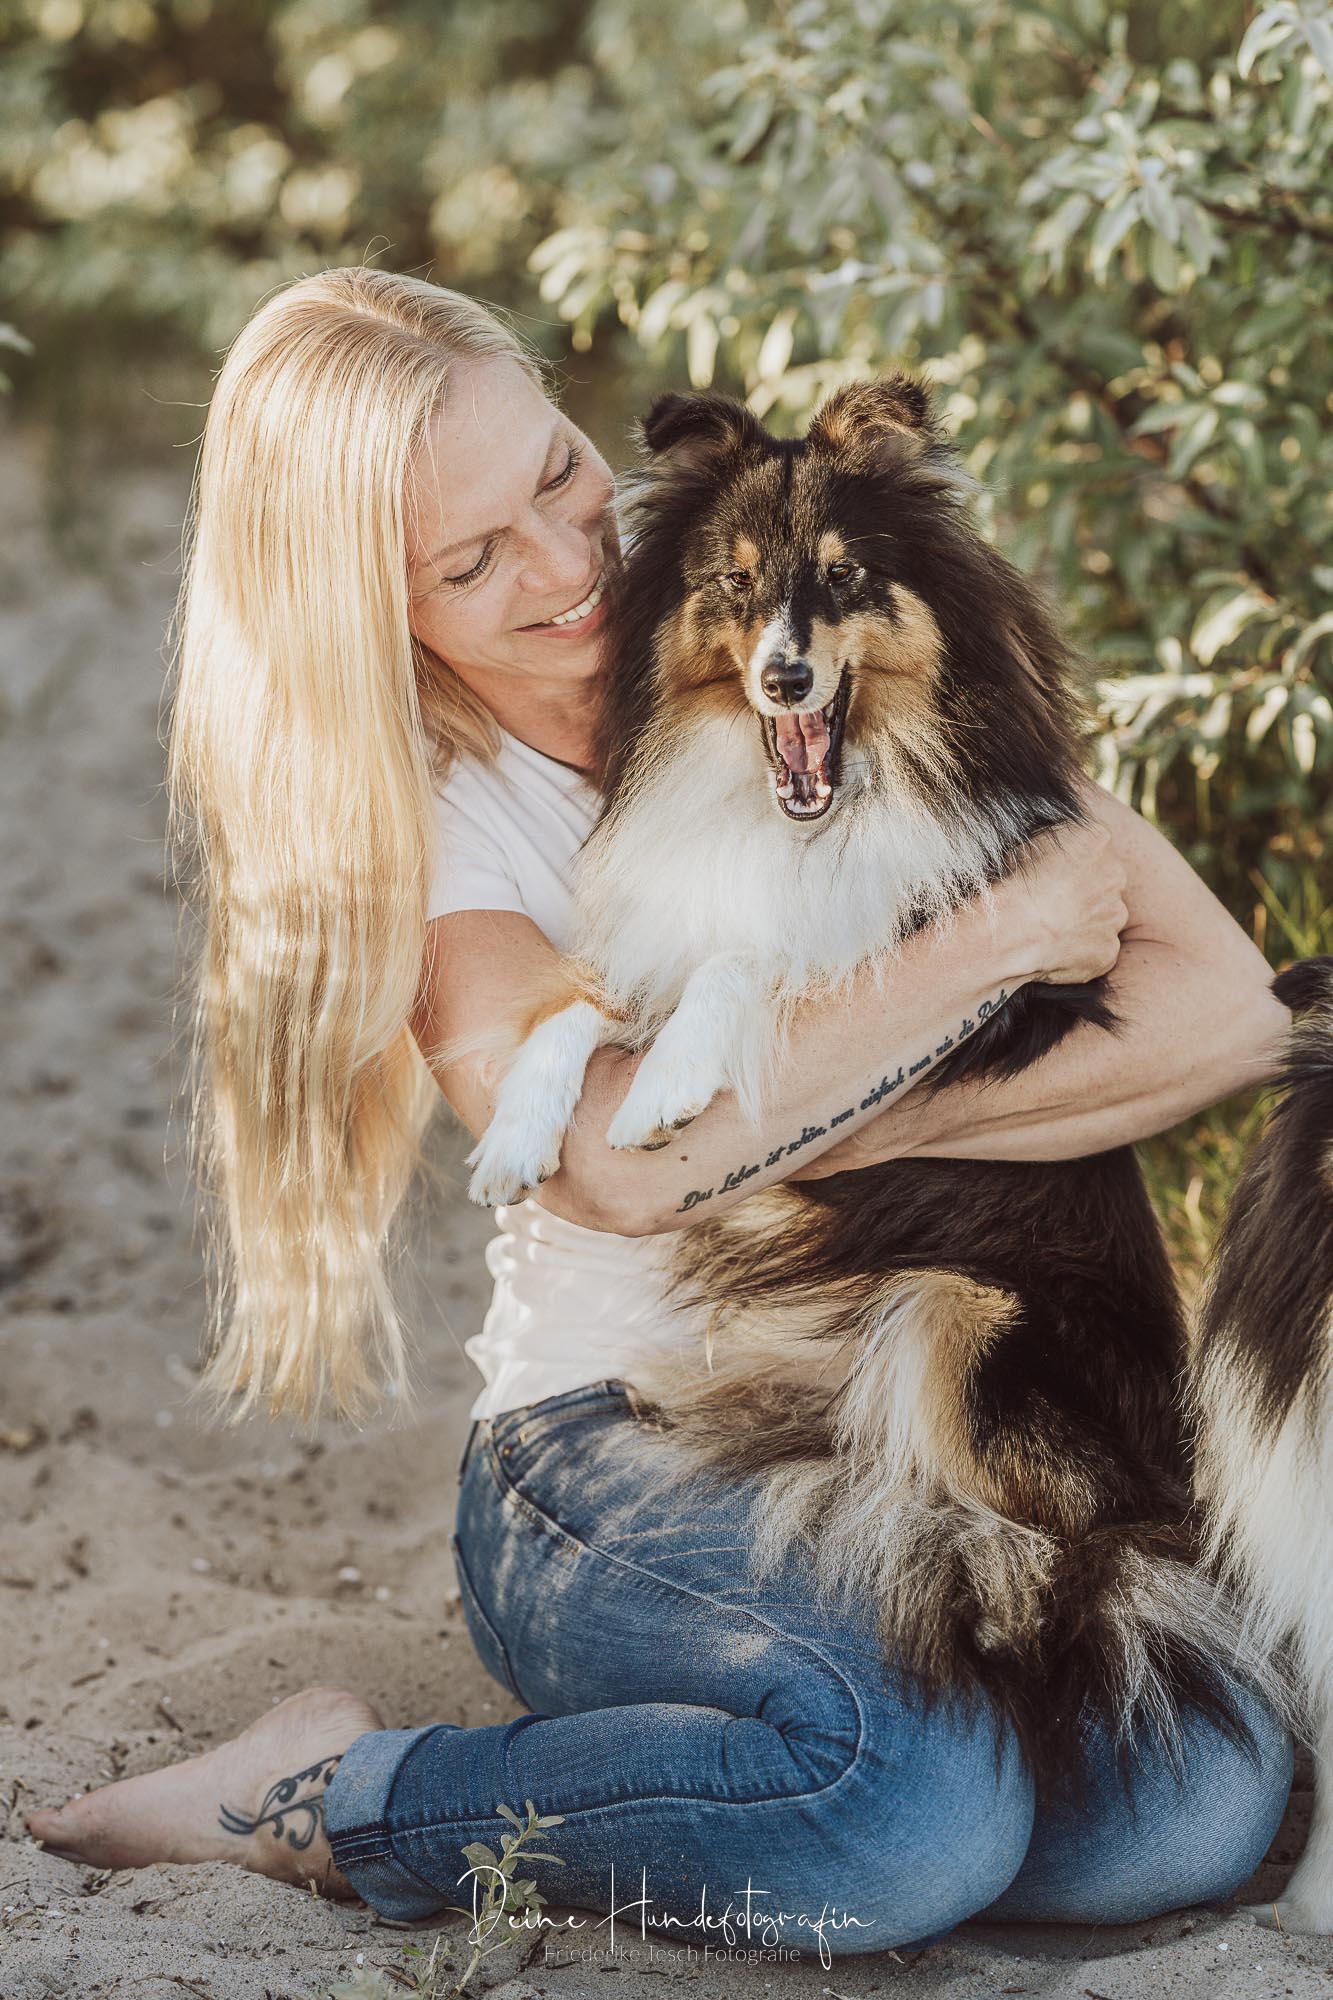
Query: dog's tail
x,y
1262,1368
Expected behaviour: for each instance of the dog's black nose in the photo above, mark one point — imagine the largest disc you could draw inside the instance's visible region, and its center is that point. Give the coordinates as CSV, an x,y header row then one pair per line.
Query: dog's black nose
x,y
787,680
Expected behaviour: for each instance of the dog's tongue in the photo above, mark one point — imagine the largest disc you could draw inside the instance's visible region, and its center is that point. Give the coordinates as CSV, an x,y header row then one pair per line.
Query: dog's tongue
x,y
802,740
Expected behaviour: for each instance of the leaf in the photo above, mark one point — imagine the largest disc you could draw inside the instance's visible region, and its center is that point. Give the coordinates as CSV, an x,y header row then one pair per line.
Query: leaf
x,y
1161,417
754,124
1225,622
1319,34
775,349
1273,25
1057,231
1159,209
701,344
1111,231
1308,639
1200,237
1304,742
1265,713
658,307
1164,266
1192,442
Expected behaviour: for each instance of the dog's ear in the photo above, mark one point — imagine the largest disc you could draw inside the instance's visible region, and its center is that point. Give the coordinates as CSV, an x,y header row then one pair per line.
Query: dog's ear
x,y
856,420
698,429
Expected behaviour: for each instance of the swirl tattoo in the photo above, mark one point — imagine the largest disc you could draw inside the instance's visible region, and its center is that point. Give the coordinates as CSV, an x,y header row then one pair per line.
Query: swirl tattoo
x,y
281,1804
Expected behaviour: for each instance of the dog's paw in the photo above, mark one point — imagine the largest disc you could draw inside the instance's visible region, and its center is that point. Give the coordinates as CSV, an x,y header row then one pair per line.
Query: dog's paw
x,y
1294,1914
646,1127
508,1163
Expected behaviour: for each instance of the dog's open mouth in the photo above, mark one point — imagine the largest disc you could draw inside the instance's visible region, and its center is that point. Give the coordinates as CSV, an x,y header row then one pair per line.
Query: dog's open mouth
x,y
804,750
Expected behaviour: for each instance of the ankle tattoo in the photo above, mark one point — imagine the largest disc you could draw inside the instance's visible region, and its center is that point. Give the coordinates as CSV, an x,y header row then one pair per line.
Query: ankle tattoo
x,y
286,1800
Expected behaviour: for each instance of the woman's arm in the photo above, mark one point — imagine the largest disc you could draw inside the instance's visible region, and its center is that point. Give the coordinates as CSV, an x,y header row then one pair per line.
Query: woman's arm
x,y
845,1057
1199,1022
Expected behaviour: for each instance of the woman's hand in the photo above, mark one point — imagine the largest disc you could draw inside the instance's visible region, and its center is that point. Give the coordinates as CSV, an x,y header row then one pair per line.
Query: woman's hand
x,y
1197,1017
1068,897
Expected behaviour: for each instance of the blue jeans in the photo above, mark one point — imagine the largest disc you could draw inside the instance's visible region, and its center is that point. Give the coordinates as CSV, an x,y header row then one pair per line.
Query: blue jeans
x,y
734,1763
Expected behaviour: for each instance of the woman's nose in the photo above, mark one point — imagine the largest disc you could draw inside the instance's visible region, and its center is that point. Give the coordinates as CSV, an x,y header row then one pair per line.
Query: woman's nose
x,y
560,557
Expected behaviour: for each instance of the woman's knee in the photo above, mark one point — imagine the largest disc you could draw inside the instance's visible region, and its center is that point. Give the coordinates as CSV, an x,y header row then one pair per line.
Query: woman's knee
x,y
1168,1833
931,1826
1230,1804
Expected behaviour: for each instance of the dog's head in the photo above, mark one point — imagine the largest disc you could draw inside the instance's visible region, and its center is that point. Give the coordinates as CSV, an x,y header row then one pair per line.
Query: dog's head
x,y
834,589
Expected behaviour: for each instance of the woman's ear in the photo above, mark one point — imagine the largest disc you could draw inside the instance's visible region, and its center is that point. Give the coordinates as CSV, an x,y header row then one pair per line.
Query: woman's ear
x,y
698,429
861,417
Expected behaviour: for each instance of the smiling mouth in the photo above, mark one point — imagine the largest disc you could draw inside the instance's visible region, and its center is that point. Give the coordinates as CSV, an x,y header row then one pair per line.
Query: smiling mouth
x,y
577,612
805,751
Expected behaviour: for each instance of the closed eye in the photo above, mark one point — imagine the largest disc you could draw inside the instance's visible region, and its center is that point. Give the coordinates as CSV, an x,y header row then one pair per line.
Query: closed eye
x,y
483,562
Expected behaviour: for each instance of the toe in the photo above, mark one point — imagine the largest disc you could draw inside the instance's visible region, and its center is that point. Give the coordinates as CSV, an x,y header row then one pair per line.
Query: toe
x,y
70,1829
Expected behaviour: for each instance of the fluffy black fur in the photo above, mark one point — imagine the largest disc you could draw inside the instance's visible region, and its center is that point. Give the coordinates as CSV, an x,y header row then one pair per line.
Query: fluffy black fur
x,y
1268,1312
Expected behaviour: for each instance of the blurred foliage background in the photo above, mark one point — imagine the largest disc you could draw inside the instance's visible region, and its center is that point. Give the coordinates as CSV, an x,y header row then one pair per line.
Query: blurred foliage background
x,y
1104,232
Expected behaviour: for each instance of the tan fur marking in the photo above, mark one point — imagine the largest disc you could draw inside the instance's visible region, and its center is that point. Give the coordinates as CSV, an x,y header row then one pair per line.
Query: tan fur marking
x,y
832,548
745,553
859,411
1026,1480
961,1321
894,670
564,986
690,661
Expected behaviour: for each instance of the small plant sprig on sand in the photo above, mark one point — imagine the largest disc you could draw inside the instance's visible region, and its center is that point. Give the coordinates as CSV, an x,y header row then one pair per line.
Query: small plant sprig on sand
x,y
502,1895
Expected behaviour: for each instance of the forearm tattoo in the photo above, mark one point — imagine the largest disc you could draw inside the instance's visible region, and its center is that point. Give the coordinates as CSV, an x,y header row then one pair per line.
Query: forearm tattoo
x,y
875,1097
299,1798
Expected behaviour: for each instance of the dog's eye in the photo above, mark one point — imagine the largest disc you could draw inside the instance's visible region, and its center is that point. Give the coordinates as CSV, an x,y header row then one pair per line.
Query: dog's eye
x,y
841,572
739,579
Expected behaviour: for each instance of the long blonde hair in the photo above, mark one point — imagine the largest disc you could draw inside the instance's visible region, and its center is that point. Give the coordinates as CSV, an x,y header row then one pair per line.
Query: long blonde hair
x,y
307,730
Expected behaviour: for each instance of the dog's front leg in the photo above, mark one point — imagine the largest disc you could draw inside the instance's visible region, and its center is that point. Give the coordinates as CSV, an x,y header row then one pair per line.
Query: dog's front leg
x,y
521,1145
1306,1904
716,1038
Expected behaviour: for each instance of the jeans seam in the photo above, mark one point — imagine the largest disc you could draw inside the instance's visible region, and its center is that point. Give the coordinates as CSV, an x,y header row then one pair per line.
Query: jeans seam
x,y
469,1589
610,1391
694,1798
519,1503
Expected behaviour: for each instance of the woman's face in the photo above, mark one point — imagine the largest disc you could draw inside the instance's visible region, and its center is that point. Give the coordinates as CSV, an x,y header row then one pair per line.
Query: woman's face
x,y
510,528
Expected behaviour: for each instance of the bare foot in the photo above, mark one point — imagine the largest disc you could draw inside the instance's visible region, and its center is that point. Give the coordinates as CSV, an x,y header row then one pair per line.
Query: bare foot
x,y
257,1800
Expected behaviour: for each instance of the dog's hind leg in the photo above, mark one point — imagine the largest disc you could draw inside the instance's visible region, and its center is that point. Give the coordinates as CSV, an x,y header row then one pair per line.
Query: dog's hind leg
x,y
1307,1902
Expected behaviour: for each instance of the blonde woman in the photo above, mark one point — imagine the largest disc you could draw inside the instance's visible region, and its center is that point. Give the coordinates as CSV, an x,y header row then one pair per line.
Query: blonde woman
x,y
382,747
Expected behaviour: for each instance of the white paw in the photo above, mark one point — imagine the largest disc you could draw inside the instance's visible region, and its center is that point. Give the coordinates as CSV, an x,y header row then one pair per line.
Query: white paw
x,y
662,1099
1293,1913
509,1160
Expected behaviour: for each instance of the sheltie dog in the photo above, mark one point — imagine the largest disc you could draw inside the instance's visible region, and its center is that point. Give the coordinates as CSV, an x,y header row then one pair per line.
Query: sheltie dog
x,y
834,713
1261,1387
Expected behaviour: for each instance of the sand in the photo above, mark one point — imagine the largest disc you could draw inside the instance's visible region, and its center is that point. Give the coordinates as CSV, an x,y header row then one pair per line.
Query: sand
x,y
161,1583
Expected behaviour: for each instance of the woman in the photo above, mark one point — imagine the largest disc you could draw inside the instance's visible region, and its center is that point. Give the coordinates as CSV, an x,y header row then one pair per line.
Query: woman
x,y
382,741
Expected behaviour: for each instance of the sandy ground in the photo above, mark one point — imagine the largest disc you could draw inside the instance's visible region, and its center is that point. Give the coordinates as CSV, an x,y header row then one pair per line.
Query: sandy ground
x,y
161,1583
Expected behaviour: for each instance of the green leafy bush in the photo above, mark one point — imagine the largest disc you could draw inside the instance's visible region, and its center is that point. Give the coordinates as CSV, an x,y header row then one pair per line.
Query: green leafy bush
x,y
1103,232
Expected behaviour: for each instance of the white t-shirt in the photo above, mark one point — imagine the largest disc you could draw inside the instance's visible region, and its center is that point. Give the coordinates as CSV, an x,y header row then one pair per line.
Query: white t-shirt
x,y
571,1305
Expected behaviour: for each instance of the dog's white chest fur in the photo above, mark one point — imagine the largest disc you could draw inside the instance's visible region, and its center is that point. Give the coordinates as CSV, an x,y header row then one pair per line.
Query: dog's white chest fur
x,y
701,863
703,913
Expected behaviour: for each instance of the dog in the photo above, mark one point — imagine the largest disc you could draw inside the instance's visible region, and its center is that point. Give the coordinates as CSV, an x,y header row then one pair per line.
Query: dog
x,y
834,712
1261,1387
